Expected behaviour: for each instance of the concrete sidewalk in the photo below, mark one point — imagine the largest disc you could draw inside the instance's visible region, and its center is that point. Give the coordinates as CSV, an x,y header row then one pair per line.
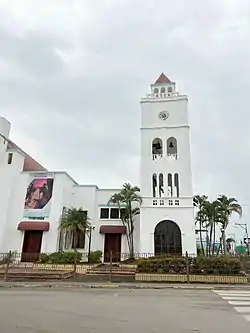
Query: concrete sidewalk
x,y
109,285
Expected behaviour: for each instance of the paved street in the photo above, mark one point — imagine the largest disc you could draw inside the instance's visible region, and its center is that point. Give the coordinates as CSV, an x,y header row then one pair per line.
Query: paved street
x,y
120,310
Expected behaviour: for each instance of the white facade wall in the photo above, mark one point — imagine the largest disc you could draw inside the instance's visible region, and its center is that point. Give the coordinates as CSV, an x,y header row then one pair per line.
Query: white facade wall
x,y
62,183
83,197
13,238
66,193
151,216
91,198
4,175
12,198
103,197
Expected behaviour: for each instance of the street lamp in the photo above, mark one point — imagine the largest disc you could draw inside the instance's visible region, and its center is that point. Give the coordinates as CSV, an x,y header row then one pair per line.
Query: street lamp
x,y
89,233
244,226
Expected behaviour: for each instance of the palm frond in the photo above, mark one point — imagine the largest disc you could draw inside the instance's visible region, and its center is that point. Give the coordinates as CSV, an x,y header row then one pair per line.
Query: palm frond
x,y
74,219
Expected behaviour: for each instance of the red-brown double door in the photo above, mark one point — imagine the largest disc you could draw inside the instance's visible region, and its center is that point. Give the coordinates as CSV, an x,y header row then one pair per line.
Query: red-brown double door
x,y
32,243
112,243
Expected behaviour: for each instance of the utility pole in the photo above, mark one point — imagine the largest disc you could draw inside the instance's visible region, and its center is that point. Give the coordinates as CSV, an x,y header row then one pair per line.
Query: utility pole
x,y
244,226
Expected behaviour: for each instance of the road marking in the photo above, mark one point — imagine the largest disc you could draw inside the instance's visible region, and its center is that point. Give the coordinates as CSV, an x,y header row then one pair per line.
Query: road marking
x,y
242,309
239,299
231,292
235,298
239,302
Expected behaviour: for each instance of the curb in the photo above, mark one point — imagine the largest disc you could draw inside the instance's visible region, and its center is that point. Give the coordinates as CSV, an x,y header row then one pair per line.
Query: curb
x,y
118,286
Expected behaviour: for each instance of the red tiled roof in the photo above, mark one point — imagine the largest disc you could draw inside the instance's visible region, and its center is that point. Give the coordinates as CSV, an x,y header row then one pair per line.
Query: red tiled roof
x,y
33,225
32,165
29,163
162,79
112,229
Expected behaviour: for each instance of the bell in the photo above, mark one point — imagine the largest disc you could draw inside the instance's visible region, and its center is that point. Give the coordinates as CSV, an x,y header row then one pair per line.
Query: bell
x,y
157,145
171,145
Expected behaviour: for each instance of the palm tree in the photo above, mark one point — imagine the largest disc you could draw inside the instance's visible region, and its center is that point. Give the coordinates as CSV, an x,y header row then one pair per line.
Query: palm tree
x,y
72,222
199,202
227,206
209,212
125,200
209,217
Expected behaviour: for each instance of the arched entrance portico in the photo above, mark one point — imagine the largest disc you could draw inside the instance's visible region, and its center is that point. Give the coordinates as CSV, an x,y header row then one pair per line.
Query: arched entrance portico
x,y
167,238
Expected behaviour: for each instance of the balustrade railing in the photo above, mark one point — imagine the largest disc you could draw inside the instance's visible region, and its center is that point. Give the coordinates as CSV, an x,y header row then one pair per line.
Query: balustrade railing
x,y
170,157
163,95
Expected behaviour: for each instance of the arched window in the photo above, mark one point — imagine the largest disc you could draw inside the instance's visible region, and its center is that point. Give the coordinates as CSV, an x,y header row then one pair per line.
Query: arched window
x,y
157,148
167,238
170,185
161,185
163,90
172,147
156,90
176,184
170,89
154,184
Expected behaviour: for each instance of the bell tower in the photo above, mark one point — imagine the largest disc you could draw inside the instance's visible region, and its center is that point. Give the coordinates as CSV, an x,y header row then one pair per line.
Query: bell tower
x,y
167,216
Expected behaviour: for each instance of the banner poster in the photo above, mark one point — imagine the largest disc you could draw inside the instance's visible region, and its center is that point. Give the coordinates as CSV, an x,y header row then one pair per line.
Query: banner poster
x,y
39,196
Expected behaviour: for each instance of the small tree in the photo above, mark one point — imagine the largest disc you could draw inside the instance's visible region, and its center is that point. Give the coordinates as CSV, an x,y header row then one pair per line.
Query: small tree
x,y
125,199
74,221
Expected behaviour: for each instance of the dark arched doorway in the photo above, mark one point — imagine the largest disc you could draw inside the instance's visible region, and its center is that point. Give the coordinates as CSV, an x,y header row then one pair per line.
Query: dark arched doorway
x,y
167,238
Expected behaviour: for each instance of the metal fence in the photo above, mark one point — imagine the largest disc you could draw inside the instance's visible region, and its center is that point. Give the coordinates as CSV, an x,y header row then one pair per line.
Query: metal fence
x,y
122,266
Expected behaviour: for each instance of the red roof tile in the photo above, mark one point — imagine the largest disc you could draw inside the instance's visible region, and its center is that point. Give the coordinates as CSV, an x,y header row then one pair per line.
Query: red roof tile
x,y
29,163
162,79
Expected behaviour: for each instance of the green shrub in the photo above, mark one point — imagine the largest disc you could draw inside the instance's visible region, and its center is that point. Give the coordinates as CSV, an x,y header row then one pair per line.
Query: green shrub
x,y
95,257
216,265
8,258
199,265
130,261
44,258
162,265
199,251
67,257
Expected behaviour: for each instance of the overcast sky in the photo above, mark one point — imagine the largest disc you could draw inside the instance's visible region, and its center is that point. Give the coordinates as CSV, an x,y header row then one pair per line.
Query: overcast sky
x,y
72,74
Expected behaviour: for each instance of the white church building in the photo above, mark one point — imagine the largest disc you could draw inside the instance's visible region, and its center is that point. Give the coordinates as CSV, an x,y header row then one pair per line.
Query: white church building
x,y
29,224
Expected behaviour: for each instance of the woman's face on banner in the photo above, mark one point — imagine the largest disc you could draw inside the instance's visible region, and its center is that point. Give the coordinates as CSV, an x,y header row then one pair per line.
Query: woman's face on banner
x,y
35,198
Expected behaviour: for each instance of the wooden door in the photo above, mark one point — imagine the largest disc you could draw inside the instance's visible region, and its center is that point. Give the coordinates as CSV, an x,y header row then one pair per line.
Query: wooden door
x,y
112,243
32,245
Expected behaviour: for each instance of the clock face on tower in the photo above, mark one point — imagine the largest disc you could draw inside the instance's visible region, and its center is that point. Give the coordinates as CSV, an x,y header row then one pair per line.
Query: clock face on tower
x,y
163,115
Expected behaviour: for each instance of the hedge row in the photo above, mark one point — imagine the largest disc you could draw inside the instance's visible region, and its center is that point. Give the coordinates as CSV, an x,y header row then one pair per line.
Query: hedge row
x,y
68,257
199,265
